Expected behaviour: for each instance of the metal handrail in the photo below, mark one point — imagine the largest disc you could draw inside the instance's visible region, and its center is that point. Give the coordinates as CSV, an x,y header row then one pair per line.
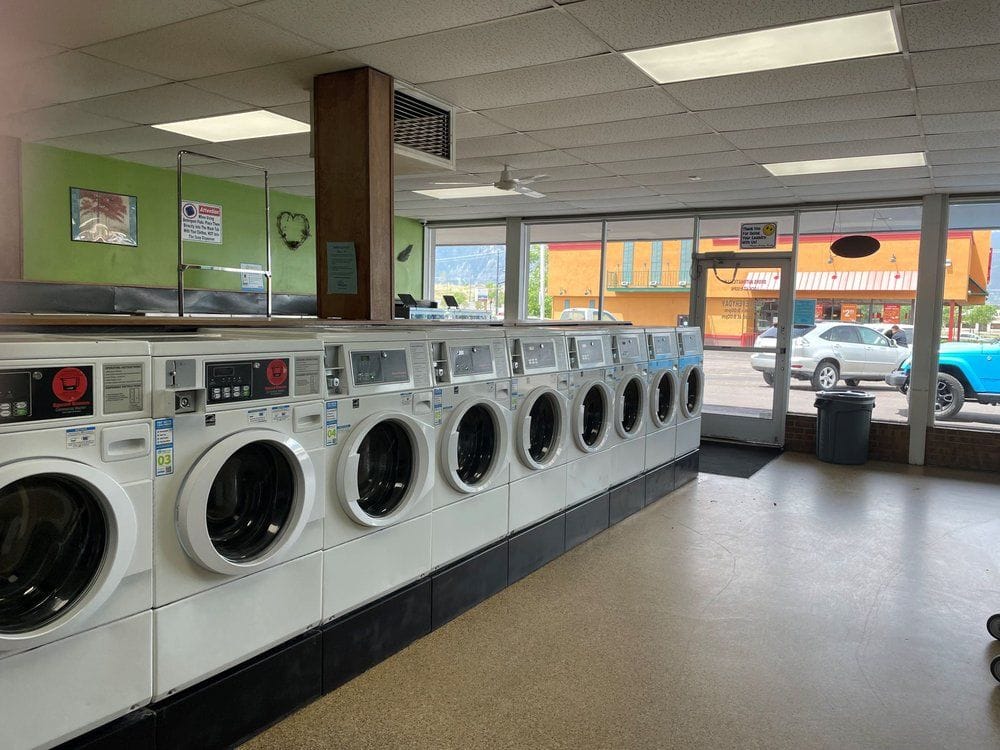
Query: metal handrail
x,y
183,267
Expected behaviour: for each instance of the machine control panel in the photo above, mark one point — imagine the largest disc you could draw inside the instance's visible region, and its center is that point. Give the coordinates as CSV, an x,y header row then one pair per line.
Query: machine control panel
x,y
538,356
378,367
589,351
39,393
246,380
629,348
471,360
660,345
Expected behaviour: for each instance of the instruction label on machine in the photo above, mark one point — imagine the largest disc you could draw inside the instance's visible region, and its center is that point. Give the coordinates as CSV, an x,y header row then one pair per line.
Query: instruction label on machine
x,y
280,413
201,222
81,437
163,446
331,423
122,388
759,236
256,416
438,405
513,394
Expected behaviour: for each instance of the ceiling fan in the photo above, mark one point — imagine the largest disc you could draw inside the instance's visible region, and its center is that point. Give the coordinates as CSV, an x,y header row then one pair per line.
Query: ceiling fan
x,y
509,183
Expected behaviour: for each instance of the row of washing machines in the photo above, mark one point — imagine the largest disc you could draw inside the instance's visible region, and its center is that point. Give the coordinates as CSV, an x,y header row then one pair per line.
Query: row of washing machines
x,y
173,505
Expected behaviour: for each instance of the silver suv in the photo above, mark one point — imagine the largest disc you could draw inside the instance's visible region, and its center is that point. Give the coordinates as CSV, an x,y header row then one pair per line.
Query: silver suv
x,y
830,351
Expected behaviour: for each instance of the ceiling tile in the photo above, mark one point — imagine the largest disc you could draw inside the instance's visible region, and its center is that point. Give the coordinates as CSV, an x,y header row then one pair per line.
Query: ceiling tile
x,y
306,190
16,50
951,23
301,111
275,85
630,204
220,43
573,172
864,175
535,160
836,150
715,186
643,128
955,65
719,174
227,169
585,110
474,125
419,182
340,24
159,157
884,187
759,194
645,23
597,183
694,162
540,83
796,135
962,122
987,139
532,39
69,77
280,180
962,97
626,192
965,156
122,141
60,120
175,101
691,144
832,109
968,183
491,145
957,170
297,144
841,78
71,23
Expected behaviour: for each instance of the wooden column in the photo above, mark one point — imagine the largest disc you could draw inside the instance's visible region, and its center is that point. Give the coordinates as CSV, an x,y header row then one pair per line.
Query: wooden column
x,y
11,266
352,132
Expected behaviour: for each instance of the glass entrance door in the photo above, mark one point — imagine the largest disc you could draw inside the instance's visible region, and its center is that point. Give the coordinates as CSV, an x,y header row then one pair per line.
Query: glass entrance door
x,y
743,305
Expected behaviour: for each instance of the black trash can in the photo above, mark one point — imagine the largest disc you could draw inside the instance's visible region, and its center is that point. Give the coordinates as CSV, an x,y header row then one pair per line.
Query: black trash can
x,y
843,420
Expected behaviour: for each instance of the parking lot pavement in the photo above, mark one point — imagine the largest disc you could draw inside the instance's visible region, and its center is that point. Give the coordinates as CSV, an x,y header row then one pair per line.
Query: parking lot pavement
x,y
731,381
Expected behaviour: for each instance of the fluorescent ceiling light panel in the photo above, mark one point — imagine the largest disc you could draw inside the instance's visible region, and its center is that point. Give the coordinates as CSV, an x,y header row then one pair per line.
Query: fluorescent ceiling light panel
x,y
845,38
846,164
257,124
479,191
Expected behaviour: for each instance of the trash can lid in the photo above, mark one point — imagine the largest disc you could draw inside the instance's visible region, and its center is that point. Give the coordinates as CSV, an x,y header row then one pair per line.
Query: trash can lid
x,y
852,397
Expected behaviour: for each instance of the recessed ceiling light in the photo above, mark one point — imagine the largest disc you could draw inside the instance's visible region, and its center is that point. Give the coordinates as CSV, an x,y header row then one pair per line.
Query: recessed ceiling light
x,y
843,38
257,124
479,191
846,164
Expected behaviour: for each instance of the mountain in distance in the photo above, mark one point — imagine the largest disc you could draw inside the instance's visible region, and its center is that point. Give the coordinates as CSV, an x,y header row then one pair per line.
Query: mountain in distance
x,y
469,264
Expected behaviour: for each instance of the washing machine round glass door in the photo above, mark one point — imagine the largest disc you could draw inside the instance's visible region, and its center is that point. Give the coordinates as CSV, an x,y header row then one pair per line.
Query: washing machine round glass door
x,y
246,501
383,468
630,402
540,428
67,535
662,397
693,380
473,445
592,415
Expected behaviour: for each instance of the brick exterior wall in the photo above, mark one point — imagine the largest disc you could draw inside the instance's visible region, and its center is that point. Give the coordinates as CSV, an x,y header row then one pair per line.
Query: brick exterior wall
x,y
887,441
963,449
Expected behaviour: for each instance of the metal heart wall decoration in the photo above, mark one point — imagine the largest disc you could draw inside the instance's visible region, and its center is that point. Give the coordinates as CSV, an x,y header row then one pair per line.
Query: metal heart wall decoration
x,y
293,229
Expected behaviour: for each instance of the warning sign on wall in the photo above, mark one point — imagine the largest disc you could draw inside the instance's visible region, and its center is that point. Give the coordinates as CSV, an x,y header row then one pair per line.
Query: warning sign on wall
x,y
201,222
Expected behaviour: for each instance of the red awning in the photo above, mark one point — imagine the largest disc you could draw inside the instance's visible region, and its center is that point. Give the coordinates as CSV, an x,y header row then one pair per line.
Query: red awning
x,y
836,281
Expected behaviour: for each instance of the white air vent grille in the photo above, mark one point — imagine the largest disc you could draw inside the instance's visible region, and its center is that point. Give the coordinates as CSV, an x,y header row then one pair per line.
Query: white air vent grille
x,y
422,126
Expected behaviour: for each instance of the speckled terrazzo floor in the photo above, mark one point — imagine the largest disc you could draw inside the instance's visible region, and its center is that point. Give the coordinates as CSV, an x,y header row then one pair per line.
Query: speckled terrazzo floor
x,y
810,606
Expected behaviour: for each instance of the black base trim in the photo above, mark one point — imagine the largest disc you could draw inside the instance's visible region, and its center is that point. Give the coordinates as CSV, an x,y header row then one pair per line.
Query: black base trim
x,y
534,547
240,703
136,730
360,640
587,519
687,469
626,499
660,482
462,586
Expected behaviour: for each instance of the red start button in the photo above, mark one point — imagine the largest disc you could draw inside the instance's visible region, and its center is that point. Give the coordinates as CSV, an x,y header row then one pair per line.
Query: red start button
x,y
277,372
69,384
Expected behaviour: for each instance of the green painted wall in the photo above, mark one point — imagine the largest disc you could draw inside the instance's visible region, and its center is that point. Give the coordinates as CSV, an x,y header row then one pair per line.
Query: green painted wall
x,y
50,254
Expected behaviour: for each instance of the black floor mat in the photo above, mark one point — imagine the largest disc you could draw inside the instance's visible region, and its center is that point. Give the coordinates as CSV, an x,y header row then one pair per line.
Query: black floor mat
x,y
734,460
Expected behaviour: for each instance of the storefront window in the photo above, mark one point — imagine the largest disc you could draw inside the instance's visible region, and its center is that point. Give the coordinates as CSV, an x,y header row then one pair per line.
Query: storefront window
x,y
564,272
468,267
648,271
968,385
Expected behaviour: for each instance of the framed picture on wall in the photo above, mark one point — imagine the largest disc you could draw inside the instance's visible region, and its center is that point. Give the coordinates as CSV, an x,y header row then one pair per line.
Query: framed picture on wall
x,y
96,216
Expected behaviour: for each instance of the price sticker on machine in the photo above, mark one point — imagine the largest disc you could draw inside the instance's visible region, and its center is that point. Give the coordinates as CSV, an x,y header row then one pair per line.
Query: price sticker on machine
x,y
163,444
331,423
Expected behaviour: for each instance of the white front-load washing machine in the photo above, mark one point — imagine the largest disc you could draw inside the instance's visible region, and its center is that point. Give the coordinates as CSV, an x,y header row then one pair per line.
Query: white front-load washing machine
x,y
664,396
627,442
691,361
239,481
75,536
471,370
540,407
592,408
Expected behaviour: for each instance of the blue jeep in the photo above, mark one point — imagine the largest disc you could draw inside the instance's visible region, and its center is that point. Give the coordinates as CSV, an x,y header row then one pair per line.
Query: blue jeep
x,y
966,372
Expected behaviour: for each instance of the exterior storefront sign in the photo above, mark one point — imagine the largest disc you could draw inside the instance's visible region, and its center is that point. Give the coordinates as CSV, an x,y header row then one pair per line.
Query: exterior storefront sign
x,y
758,236
849,312
805,310
890,313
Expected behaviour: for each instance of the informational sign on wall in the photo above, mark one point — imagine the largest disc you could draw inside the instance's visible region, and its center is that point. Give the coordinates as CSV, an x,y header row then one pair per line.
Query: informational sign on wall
x,y
201,222
890,313
805,312
758,236
341,268
251,282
